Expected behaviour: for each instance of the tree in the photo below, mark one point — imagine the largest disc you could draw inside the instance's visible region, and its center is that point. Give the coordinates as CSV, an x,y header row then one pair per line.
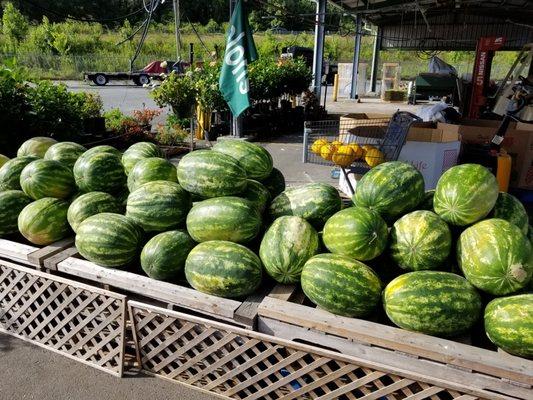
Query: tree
x,y
14,24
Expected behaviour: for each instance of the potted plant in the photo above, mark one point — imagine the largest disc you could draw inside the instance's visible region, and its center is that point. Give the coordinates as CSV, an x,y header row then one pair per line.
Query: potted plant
x,y
91,111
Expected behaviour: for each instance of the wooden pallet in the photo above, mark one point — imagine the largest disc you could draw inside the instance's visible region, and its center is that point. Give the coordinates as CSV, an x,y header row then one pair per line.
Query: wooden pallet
x,y
282,315
81,322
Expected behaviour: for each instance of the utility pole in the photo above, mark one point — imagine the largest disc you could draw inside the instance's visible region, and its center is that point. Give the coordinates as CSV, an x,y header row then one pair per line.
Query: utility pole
x,y
176,4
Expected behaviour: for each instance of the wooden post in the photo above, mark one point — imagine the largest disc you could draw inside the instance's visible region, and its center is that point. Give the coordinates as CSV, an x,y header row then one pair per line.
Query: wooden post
x,y
335,87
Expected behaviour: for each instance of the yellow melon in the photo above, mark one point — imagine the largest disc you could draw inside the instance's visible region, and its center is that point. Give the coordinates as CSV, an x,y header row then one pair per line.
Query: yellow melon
x,y
344,156
358,151
327,151
374,157
317,145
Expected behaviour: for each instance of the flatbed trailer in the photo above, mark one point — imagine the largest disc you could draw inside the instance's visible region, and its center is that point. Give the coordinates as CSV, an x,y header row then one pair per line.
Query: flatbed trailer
x,y
139,78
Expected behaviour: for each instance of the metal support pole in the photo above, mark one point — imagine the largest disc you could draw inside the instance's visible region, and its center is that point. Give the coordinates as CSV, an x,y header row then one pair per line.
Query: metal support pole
x,y
318,56
236,122
357,51
191,55
176,4
335,87
375,60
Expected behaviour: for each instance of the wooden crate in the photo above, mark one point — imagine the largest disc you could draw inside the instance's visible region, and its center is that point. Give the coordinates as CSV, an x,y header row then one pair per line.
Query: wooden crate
x,y
497,375
81,322
241,364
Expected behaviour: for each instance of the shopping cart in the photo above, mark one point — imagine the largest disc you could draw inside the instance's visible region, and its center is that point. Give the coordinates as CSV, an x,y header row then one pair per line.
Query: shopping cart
x,y
386,136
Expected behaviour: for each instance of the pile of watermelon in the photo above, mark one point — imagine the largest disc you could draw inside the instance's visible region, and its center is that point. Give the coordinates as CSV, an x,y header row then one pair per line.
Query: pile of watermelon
x,y
222,220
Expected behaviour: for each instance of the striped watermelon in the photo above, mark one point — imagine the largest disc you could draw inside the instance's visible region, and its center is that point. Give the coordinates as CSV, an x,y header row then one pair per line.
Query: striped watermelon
x,y
420,240
315,202
427,201
257,194
11,204
90,204
530,234
65,152
44,221
109,240
208,173
102,149
256,161
137,152
432,302
3,159
163,257
149,170
494,256
356,232
509,324
465,194
509,208
341,285
11,170
287,244
224,218
36,147
158,206
47,178
392,189
99,172
275,182
224,269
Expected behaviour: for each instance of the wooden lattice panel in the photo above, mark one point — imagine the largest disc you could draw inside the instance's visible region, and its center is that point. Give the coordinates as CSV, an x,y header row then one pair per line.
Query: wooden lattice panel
x,y
241,364
79,321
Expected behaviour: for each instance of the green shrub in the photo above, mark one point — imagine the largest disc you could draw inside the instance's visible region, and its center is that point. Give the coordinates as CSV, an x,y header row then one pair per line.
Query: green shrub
x,y
178,92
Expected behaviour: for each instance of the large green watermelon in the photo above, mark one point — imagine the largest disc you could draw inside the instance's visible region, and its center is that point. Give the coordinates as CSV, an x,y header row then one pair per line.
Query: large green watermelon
x,y
47,178
149,170
256,161
109,240
99,172
465,194
102,149
315,202
341,285
392,189
65,152
158,206
11,204
509,208
427,201
224,218
3,159
257,194
11,170
36,147
224,269
90,204
163,257
509,324
494,256
275,182
287,244
137,152
356,232
432,302
420,240
44,221
208,173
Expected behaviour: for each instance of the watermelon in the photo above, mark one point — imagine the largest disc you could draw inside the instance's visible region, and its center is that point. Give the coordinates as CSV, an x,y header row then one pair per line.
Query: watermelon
x,y
102,149
356,232
256,161
65,152
432,302
149,170
224,218
90,204
509,208
315,202
341,285
420,240
3,159
47,178
109,240
11,204
392,189
158,206
287,244
509,324
224,269
257,194
137,152
494,256
99,172
465,194
11,170
530,233
44,221
427,201
208,173
275,182
163,257
36,147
